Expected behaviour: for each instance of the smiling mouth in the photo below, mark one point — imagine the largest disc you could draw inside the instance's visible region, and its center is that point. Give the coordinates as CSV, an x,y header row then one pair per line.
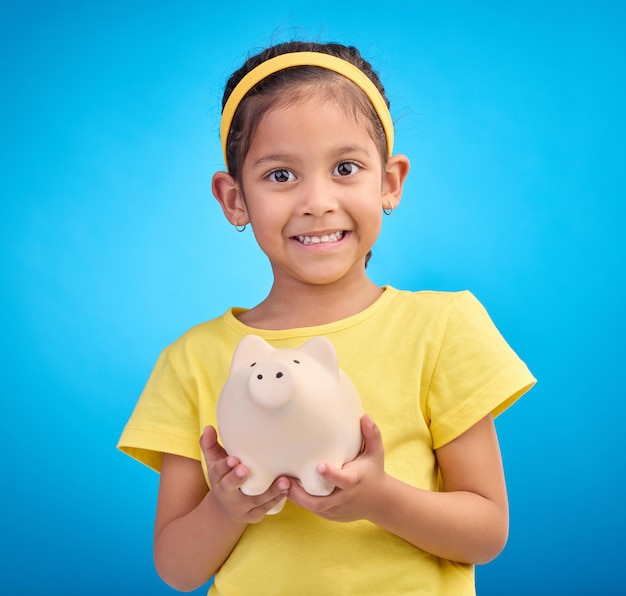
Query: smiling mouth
x,y
324,239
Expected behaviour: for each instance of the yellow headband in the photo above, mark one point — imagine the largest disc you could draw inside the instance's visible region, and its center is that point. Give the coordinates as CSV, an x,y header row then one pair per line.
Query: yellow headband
x,y
338,65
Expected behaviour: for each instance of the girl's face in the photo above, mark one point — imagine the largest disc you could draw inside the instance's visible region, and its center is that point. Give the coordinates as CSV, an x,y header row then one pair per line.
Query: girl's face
x,y
314,188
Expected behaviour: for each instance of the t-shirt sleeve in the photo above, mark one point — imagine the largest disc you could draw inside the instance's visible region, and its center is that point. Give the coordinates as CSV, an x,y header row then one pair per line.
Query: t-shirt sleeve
x,y
165,418
476,373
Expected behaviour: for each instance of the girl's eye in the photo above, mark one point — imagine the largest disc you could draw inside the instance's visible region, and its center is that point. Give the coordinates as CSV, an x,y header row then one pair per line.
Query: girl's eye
x,y
346,168
281,176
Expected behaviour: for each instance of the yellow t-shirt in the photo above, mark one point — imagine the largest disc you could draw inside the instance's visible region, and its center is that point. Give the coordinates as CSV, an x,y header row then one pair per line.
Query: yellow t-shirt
x,y
428,366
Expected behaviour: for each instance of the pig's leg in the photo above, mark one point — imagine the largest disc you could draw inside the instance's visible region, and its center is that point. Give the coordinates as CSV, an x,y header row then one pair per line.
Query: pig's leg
x,y
314,484
259,479
277,508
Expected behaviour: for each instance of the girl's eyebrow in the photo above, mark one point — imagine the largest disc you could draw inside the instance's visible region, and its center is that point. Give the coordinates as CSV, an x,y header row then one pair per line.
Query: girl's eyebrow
x,y
350,149
272,157
335,153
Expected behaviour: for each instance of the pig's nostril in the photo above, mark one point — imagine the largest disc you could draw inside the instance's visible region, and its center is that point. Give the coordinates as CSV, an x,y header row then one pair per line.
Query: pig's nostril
x,y
259,377
279,375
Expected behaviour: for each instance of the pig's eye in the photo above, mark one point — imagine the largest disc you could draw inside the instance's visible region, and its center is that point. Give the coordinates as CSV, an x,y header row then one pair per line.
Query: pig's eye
x,y
253,364
297,361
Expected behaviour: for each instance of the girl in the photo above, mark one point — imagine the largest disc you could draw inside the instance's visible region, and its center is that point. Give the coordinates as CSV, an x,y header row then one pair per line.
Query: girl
x,y
307,140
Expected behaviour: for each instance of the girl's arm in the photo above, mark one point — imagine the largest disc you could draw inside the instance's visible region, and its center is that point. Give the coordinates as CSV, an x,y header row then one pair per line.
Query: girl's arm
x,y
467,522
197,528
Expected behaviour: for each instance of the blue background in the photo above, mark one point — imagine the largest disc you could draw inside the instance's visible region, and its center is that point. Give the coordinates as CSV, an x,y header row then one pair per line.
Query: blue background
x,y
111,246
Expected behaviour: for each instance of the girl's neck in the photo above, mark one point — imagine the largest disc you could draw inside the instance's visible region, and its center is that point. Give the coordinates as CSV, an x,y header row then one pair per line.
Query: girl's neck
x,y
310,305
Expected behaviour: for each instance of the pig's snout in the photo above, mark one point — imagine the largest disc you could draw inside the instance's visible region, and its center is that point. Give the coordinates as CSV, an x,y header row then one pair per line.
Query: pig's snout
x,y
271,385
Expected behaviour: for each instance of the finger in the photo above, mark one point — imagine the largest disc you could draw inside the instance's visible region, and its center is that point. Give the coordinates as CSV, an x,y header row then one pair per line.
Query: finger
x,y
371,436
300,497
218,462
276,492
272,506
211,448
257,506
233,478
281,485
209,444
341,478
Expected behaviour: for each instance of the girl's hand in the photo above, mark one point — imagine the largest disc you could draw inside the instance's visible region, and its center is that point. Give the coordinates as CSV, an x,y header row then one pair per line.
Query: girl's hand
x,y
226,476
359,484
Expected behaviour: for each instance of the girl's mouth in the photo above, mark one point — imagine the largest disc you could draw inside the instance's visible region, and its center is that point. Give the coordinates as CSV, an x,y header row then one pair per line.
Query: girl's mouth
x,y
324,239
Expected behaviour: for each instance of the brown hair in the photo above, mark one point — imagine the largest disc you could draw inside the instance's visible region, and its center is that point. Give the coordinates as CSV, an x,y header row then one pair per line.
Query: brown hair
x,y
285,87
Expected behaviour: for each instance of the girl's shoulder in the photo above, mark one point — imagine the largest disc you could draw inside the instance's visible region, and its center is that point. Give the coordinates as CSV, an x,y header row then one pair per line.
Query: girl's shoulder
x,y
432,300
210,335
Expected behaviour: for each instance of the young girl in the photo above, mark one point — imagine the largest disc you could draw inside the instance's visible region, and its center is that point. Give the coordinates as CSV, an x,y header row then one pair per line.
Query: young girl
x,y
307,139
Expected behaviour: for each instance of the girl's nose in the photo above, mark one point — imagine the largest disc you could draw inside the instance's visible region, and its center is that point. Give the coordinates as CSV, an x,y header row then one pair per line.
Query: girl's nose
x,y
317,199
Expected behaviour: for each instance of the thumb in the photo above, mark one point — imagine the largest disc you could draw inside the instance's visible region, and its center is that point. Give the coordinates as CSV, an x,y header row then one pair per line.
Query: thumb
x,y
371,436
211,449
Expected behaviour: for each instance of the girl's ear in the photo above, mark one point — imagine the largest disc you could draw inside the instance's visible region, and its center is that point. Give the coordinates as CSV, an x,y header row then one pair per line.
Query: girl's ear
x,y
228,194
396,171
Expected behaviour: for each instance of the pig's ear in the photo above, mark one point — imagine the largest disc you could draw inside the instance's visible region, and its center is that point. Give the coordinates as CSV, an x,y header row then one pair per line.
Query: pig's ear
x,y
321,349
250,349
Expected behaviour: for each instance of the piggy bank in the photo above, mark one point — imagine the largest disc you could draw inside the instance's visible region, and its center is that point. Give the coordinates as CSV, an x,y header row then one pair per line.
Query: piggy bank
x,y
282,411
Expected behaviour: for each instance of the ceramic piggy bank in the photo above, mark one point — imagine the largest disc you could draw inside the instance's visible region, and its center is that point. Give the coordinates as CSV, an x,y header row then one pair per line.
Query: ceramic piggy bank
x,y
282,411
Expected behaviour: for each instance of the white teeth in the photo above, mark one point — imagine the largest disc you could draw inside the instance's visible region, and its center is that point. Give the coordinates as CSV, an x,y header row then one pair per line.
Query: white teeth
x,y
334,237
